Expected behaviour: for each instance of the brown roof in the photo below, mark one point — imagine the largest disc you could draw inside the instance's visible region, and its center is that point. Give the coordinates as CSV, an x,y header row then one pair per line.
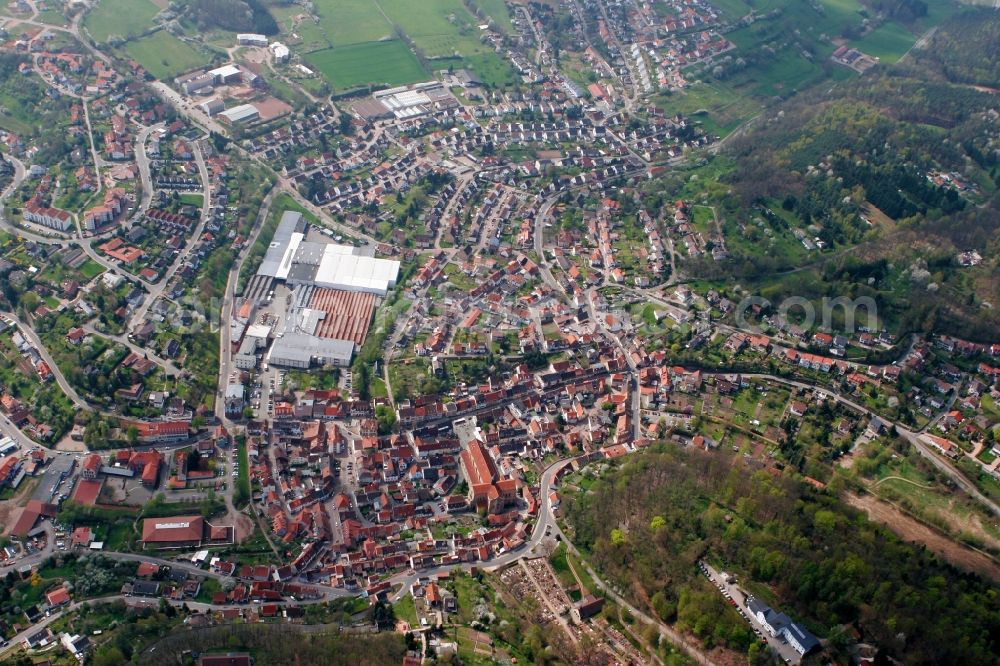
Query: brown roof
x,y
146,569
57,597
87,491
348,314
29,516
173,529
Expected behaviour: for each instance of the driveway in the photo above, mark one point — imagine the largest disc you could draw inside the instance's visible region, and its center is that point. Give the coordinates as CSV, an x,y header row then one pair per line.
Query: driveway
x,y
786,651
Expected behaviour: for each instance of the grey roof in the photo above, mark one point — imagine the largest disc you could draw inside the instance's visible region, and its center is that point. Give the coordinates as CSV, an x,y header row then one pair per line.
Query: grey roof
x,y
302,273
309,252
234,391
145,587
291,222
301,348
777,620
755,606
802,636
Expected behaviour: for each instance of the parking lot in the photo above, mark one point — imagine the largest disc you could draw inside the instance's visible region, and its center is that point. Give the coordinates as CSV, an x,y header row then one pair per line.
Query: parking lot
x,y
735,595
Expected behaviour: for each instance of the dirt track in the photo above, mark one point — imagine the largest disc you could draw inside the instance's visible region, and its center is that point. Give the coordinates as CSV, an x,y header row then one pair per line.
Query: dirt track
x,y
914,531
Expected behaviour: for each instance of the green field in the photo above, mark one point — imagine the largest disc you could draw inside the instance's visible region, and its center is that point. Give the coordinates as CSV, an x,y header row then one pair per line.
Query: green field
x,y
390,63
190,199
490,68
714,106
497,9
346,22
164,55
91,269
354,43
888,42
448,35
443,28
120,17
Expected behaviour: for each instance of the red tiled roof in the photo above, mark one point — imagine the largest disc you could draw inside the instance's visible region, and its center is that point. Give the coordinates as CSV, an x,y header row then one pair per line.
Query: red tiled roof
x,y
57,597
173,529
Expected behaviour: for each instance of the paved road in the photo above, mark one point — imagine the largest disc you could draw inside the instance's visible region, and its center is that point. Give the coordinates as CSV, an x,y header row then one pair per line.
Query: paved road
x,y
156,290
143,163
16,642
197,606
666,631
186,109
167,366
226,366
33,338
542,531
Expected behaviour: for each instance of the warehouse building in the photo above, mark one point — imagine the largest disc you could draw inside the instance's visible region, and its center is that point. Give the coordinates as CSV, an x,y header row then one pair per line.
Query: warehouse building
x,y
183,532
244,113
335,292
174,532
292,259
251,39
301,350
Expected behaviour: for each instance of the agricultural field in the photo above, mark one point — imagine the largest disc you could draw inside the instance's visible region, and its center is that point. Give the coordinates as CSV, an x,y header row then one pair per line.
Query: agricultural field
x,y
120,17
888,42
345,22
789,51
165,56
445,28
390,63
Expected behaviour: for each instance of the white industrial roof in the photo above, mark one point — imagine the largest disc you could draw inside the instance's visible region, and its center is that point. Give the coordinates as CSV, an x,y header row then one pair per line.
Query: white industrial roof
x,y
225,71
258,331
241,112
340,268
291,223
286,259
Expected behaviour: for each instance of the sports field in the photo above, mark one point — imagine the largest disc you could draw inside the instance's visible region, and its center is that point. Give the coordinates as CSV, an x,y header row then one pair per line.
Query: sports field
x,y
165,56
390,63
120,17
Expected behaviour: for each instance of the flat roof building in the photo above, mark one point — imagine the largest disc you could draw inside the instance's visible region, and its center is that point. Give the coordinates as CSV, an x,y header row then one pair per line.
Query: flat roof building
x,y
299,262
213,106
226,73
251,39
299,350
291,224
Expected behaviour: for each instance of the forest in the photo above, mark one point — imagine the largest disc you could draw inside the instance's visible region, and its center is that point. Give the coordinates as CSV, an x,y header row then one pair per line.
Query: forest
x,y
234,15
966,50
646,523
824,162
